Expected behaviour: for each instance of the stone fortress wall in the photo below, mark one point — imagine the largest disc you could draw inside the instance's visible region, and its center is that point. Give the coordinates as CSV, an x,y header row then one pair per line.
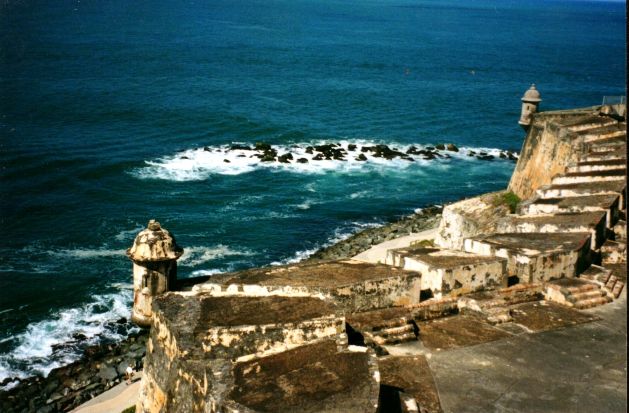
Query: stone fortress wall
x,y
310,337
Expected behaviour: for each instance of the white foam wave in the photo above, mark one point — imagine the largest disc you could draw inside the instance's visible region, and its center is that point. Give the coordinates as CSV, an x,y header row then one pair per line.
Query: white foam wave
x,y
195,256
128,234
201,163
40,348
200,273
86,253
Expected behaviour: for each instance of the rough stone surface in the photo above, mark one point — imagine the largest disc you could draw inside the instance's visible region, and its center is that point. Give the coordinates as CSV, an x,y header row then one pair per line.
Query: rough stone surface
x,y
314,378
468,218
547,150
457,331
573,369
411,374
353,285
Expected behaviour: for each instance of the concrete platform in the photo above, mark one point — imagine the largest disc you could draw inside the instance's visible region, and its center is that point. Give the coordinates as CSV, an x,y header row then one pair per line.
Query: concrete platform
x,y
353,285
451,272
591,176
593,222
536,257
578,368
606,202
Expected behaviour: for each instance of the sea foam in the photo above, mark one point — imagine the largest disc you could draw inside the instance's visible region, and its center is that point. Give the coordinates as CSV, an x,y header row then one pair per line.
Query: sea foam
x,y
52,343
201,163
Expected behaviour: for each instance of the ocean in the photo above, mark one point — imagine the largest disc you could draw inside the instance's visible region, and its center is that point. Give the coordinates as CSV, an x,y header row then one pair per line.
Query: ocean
x,y
113,113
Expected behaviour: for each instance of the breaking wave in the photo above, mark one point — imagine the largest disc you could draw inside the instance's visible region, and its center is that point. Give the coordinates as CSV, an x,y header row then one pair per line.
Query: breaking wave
x,y
59,340
201,163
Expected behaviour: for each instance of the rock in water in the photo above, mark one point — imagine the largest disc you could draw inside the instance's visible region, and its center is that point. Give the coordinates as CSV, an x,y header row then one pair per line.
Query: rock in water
x,y
452,147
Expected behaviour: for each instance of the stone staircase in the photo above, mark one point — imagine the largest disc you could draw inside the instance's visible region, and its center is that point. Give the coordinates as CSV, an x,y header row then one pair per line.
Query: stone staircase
x,y
577,293
384,327
556,238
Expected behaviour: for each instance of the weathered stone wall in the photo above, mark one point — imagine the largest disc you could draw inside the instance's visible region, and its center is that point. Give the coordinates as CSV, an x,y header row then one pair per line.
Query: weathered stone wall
x,y
546,151
468,218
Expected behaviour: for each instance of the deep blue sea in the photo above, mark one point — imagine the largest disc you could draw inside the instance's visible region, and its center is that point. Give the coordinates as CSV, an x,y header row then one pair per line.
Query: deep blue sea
x,y
106,108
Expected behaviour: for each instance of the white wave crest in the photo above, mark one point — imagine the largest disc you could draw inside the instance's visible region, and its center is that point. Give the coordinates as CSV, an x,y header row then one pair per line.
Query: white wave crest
x,y
195,256
86,254
201,163
40,347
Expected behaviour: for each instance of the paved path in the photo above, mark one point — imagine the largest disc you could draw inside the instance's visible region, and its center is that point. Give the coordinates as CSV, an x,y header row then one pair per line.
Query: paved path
x,y
378,253
113,400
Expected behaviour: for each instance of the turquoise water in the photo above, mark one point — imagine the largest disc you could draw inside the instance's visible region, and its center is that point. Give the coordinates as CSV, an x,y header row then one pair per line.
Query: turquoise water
x,y
106,108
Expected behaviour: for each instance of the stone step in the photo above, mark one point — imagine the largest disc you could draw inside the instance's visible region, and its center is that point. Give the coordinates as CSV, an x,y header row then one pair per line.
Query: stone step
x,y
593,176
536,257
451,272
593,222
611,283
602,132
618,287
395,331
620,229
588,122
606,202
434,308
593,302
613,252
604,156
591,166
619,272
606,145
617,130
586,295
381,319
580,289
583,189
402,338
567,291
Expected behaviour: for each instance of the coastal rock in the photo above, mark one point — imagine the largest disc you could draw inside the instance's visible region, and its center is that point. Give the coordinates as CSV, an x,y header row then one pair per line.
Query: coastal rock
x,y
452,147
485,157
351,147
427,218
107,373
302,160
262,146
440,146
237,146
361,157
286,158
